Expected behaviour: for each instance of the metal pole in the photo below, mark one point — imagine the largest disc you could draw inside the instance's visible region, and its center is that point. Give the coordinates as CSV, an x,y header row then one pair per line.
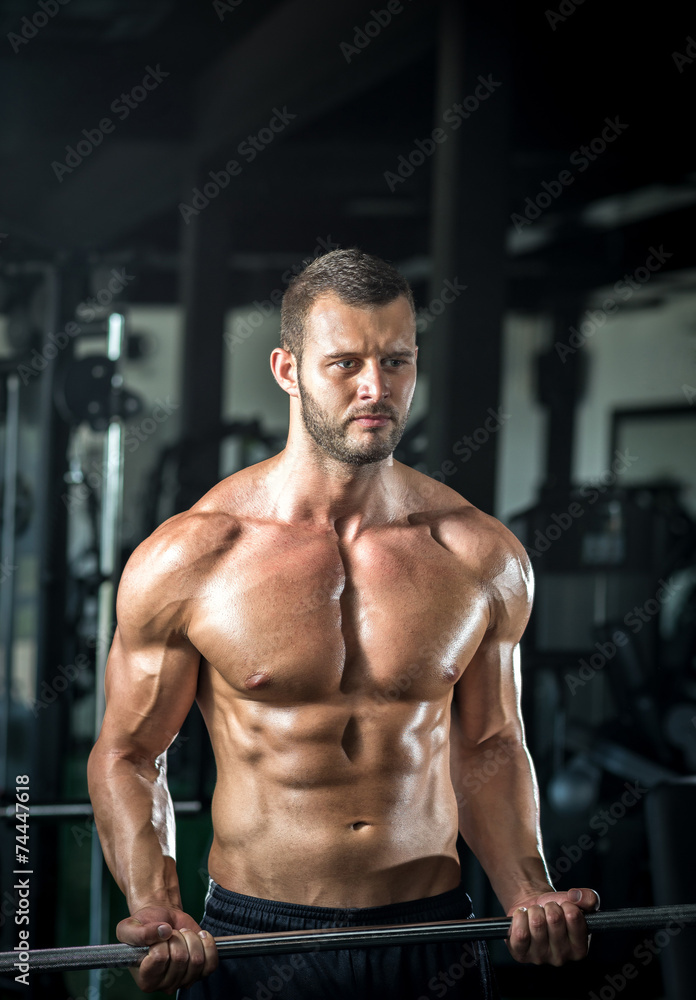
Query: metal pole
x,y
108,561
7,566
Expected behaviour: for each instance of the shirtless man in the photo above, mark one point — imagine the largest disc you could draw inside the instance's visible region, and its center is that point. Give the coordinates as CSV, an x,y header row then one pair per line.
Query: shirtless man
x,y
349,629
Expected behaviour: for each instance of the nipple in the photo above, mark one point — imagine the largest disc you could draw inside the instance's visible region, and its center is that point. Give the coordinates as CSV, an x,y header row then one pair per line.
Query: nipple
x,y
257,680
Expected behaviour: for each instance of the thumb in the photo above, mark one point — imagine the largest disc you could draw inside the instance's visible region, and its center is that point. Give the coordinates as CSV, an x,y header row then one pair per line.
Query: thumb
x,y
586,899
136,932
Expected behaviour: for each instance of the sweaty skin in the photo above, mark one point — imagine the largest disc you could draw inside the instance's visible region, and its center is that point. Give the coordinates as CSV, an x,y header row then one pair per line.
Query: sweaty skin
x,y
349,629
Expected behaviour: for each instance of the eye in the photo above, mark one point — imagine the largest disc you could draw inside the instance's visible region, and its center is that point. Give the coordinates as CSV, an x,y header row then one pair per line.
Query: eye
x,y
345,364
395,362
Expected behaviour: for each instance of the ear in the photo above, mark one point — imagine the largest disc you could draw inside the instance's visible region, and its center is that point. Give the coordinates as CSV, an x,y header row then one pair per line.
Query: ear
x,y
284,368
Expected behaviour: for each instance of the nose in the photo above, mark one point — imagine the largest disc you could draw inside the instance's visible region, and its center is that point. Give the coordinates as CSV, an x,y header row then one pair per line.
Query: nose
x,y
374,383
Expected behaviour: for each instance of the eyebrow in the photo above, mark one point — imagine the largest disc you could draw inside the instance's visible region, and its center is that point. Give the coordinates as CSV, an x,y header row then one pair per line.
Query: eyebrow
x,y
391,354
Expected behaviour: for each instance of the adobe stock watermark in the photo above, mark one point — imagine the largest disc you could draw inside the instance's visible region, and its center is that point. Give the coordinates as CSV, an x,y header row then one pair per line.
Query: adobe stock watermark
x,y
87,311
362,37
466,446
445,979
635,619
30,26
85,831
63,677
245,326
280,976
580,158
565,10
493,760
159,414
6,570
93,480
563,521
683,59
224,7
107,978
594,319
427,657
454,117
249,148
121,106
601,823
644,953
450,291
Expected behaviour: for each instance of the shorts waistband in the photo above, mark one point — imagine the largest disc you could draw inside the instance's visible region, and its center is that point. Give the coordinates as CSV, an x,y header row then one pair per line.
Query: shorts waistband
x,y
452,904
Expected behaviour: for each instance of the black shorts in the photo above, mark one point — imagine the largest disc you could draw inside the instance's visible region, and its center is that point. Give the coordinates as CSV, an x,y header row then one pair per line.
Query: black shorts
x,y
411,972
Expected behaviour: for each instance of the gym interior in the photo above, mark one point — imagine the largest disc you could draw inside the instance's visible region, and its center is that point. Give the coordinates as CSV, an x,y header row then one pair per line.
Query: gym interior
x,y
165,169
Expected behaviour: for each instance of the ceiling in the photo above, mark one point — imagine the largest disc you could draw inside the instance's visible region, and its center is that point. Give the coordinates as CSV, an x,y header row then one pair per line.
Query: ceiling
x,y
224,67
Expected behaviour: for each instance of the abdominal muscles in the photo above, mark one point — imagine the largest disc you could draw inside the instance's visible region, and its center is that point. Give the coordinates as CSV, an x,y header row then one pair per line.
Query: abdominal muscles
x,y
319,803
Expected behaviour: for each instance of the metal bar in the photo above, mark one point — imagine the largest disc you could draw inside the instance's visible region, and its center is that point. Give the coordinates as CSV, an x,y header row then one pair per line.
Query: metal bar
x,y
68,810
111,956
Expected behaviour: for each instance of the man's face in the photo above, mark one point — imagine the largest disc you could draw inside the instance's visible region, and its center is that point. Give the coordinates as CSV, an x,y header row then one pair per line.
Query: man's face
x,y
357,377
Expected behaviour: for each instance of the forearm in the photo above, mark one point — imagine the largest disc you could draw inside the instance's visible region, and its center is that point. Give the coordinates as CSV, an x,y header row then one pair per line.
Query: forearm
x,y
498,803
135,820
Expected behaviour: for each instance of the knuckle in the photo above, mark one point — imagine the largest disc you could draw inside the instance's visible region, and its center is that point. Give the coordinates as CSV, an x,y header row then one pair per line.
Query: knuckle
x,y
157,957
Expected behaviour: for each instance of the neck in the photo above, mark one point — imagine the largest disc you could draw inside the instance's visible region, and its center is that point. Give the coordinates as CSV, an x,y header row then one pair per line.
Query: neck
x,y
307,484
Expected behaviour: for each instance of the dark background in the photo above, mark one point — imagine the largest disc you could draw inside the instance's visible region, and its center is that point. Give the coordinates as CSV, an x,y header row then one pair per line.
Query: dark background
x,y
563,374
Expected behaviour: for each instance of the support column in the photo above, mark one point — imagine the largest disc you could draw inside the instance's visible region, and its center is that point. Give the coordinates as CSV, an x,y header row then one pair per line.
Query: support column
x,y
560,382
204,284
470,219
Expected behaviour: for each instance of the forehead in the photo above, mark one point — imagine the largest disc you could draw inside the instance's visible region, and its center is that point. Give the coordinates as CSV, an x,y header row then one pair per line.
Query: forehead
x,y
335,325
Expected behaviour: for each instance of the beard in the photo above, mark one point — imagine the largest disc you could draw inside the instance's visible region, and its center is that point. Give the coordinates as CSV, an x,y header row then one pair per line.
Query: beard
x,y
332,434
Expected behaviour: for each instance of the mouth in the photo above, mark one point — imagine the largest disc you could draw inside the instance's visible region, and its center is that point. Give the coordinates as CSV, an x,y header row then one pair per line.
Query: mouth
x,y
377,420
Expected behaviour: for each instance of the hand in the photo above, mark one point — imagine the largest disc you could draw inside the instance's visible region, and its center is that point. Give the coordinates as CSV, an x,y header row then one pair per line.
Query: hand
x,y
180,952
550,928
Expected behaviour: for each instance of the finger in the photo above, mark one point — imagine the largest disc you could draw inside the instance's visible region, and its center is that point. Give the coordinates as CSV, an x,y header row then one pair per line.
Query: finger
x,y
560,946
519,939
151,974
212,957
196,958
539,931
176,967
578,938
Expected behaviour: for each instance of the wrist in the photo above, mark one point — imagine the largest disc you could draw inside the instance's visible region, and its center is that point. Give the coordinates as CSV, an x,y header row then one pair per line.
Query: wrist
x,y
161,891
165,904
524,889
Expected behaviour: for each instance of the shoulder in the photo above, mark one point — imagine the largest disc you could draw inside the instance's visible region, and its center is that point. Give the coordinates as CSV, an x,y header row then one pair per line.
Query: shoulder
x,y
487,549
165,572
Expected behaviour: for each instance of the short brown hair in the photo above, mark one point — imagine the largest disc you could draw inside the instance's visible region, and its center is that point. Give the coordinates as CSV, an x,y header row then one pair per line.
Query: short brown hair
x,y
357,278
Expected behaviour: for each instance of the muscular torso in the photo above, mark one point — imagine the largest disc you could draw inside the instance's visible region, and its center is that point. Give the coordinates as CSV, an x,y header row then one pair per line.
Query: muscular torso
x,y
326,678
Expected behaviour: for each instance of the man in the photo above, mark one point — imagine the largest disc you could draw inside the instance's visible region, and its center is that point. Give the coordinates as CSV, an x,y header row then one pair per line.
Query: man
x,y
349,629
